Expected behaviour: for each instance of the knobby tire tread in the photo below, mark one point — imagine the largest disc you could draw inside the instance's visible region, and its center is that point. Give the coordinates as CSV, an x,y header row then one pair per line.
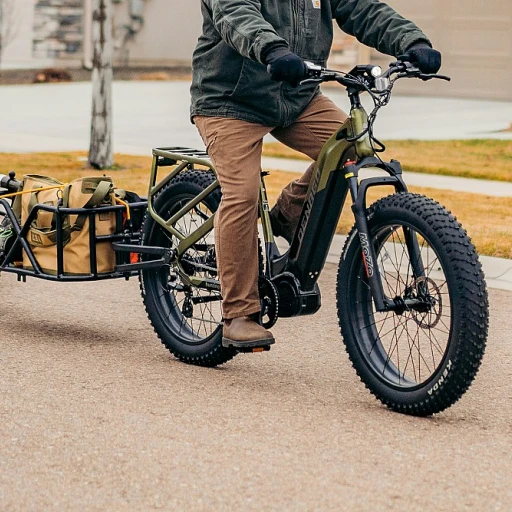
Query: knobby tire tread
x,y
472,305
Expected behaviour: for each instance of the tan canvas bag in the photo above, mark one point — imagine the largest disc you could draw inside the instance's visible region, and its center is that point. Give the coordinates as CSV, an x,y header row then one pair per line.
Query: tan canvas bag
x,y
87,192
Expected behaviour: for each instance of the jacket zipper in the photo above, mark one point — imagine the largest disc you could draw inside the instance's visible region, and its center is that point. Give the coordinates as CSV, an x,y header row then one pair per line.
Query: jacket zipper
x,y
295,24
283,106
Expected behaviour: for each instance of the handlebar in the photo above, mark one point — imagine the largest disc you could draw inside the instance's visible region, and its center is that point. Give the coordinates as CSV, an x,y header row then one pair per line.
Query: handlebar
x,y
364,77
371,79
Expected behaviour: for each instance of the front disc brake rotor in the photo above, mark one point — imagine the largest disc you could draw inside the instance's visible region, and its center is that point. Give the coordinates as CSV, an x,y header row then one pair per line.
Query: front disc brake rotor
x,y
427,290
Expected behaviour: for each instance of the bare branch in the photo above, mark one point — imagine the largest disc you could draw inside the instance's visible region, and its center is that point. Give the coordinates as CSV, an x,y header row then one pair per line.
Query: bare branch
x,y
9,24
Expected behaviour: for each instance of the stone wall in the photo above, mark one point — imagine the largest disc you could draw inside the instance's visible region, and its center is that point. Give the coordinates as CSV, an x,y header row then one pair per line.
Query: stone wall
x,y
58,30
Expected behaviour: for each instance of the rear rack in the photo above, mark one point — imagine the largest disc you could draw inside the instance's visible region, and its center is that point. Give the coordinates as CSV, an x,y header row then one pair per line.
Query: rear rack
x,y
181,158
172,155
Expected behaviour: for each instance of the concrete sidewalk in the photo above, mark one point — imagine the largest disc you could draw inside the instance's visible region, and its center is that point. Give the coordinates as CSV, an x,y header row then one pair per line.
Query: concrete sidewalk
x,y
498,271
56,117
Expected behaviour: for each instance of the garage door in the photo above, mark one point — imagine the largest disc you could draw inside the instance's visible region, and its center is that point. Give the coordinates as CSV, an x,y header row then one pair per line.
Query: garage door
x,y
475,38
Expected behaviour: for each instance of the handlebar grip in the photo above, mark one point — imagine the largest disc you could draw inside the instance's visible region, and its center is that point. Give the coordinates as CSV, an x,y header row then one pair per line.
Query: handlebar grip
x,y
9,182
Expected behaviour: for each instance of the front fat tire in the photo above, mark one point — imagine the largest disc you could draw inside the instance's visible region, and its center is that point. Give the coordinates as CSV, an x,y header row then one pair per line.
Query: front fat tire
x,y
467,300
163,313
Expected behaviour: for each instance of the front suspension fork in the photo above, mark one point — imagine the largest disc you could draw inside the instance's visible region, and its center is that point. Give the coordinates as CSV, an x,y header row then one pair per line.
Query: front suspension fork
x,y
358,193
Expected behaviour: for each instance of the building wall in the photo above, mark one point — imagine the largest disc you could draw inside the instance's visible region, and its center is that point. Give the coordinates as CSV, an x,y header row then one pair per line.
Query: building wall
x,y
47,31
169,34
474,36
18,53
57,29
475,39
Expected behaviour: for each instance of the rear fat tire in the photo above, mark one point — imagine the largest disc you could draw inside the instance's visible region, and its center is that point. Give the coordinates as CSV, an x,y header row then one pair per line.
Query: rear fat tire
x,y
162,310
468,305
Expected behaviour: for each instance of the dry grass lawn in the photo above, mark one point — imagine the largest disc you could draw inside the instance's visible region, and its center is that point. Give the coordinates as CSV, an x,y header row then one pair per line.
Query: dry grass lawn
x,y
482,159
487,219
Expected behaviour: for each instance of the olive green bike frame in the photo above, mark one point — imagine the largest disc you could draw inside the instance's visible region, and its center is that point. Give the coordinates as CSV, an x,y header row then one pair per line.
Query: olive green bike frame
x,y
334,176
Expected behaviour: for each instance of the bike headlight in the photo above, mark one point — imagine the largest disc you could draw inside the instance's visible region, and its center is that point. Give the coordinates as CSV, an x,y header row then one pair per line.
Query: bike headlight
x,y
376,71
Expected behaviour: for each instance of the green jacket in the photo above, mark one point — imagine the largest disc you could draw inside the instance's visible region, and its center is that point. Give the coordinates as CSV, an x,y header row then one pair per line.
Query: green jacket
x,y
229,76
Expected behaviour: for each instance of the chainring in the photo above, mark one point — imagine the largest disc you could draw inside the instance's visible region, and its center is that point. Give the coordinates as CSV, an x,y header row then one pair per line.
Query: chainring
x,y
269,300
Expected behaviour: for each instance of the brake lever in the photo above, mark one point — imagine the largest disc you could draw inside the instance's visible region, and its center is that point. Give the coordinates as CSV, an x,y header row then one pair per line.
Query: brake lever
x,y
426,77
311,81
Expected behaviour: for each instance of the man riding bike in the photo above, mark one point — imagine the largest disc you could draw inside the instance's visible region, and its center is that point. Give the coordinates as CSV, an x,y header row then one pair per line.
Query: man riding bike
x,y
236,102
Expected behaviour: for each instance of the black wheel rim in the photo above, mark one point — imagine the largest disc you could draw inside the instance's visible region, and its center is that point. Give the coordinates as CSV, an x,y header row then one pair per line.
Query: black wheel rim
x,y
404,349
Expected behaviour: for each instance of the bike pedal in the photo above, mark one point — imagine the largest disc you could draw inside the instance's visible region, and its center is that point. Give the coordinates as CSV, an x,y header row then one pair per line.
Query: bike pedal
x,y
248,346
253,350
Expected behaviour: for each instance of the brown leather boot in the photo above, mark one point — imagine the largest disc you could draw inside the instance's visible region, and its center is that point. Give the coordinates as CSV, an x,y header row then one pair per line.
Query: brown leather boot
x,y
245,332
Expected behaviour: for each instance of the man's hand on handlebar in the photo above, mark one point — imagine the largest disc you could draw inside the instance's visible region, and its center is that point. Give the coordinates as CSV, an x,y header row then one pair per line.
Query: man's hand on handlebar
x,y
285,66
424,57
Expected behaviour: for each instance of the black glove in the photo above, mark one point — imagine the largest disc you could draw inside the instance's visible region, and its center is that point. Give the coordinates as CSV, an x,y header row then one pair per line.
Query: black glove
x,y
285,66
422,55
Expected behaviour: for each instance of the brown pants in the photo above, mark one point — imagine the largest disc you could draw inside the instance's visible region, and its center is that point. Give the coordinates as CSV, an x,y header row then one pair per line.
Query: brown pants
x,y
235,149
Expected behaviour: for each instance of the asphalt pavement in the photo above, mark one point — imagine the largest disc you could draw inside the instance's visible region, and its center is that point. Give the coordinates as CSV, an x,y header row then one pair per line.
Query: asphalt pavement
x,y
97,416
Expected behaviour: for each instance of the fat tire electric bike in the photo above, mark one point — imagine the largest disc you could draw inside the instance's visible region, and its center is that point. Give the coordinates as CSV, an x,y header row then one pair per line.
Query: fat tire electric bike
x,y
411,295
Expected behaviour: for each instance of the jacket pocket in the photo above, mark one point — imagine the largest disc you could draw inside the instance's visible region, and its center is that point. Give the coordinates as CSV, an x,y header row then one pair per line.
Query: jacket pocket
x,y
254,87
318,31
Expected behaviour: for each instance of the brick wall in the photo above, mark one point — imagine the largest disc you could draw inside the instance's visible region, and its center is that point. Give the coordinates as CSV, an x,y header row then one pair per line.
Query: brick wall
x,y
58,29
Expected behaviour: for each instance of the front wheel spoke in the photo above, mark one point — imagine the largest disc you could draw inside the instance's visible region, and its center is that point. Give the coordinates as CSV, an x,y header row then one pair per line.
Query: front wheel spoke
x,y
442,322
392,289
417,338
397,269
378,333
428,332
429,266
420,354
440,330
409,357
390,330
365,283
366,326
403,245
436,344
395,346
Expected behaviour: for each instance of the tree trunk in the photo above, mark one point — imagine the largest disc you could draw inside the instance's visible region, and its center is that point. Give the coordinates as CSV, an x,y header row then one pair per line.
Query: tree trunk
x,y
100,151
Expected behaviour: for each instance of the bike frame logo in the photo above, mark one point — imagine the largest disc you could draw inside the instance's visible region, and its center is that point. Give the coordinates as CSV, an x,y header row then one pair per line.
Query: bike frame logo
x,y
308,206
367,259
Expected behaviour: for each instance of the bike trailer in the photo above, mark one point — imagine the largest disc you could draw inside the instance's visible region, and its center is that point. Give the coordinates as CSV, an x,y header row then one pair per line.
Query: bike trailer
x,y
67,231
